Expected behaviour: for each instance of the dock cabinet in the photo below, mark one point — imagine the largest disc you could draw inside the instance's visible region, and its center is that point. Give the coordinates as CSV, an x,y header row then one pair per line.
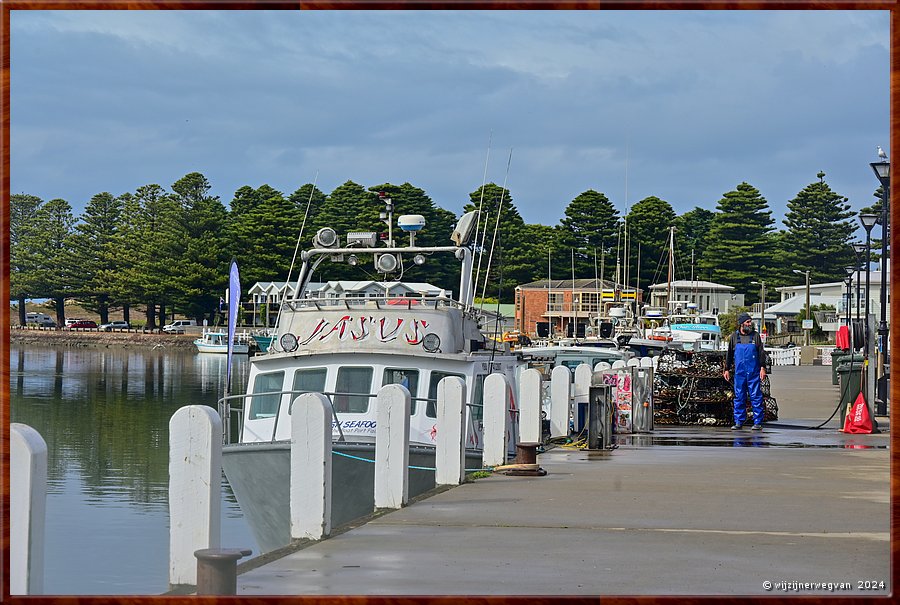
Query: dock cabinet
x,y
632,395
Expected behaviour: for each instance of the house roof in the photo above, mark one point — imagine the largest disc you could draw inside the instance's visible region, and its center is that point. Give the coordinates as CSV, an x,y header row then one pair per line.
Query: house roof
x,y
692,284
795,304
568,284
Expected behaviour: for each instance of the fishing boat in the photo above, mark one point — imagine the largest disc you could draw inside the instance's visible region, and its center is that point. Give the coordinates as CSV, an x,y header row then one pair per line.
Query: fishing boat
x,y
347,348
262,340
215,340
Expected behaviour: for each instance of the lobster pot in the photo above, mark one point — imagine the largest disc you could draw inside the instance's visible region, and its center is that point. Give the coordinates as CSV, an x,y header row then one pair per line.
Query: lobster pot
x,y
632,398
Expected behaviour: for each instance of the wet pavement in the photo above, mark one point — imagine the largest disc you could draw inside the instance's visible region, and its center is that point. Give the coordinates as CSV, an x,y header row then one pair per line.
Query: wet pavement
x,y
681,511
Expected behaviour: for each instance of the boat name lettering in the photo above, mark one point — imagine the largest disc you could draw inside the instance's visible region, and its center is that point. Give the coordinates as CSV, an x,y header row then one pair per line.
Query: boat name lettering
x,y
354,424
357,329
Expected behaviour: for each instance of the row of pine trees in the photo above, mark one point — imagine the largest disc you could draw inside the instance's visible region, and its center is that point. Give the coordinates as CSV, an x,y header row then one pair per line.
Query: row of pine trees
x,y
167,251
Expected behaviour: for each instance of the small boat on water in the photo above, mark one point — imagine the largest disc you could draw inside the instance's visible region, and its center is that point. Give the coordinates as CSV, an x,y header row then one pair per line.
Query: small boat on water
x,y
216,341
348,348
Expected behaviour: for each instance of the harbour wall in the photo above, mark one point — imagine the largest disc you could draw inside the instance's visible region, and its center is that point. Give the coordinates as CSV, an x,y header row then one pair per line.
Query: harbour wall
x,y
96,339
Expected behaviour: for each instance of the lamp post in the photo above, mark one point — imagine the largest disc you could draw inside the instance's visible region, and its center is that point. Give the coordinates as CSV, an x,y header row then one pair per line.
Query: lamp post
x,y
849,281
806,330
882,170
868,221
859,248
763,333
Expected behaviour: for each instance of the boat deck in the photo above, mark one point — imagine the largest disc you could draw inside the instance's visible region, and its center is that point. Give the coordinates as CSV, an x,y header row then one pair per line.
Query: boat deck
x,y
686,510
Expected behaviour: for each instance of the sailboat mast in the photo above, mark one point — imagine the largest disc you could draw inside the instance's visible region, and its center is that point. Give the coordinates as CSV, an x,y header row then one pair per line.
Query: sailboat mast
x,y
574,311
671,265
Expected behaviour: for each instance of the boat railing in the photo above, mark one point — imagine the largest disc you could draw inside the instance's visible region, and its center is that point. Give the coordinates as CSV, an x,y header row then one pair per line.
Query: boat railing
x,y
226,409
374,302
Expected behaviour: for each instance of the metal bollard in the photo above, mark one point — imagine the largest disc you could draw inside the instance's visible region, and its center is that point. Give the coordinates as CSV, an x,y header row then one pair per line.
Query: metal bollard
x,y
217,570
600,417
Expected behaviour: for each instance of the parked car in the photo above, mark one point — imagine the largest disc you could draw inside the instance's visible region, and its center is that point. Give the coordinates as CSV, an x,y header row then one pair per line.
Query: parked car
x,y
178,326
71,320
83,323
117,324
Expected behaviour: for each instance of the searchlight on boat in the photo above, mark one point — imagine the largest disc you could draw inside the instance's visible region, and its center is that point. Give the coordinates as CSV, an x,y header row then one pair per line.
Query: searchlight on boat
x,y
464,228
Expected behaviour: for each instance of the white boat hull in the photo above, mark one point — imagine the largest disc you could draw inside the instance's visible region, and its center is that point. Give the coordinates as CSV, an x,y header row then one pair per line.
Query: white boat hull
x,y
239,348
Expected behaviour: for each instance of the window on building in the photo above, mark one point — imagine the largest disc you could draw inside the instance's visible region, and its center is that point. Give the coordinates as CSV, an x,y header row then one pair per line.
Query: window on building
x,y
590,302
555,301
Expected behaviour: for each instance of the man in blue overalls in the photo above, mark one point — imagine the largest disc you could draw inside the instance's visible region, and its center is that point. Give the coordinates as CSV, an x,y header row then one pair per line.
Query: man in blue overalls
x,y
747,356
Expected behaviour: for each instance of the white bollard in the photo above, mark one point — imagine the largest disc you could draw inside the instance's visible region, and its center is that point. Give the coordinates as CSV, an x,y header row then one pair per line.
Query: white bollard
x,y
634,362
310,467
646,362
530,384
27,509
560,401
582,389
601,365
450,451
619,363
195,488
392,446
496,406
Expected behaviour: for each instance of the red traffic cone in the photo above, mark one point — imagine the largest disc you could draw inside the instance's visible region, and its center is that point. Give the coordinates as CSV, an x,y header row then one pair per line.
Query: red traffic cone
x,y
858,420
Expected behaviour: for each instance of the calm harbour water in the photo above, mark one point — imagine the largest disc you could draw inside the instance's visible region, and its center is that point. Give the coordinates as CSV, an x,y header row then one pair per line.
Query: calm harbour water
x,y
104,414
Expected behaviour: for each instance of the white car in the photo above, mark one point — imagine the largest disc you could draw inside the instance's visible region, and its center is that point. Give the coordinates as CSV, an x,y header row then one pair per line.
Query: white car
x,y
115,325
178,326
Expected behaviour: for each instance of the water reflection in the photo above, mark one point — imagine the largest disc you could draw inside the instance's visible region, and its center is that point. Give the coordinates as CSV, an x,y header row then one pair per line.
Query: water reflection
x,y
104,414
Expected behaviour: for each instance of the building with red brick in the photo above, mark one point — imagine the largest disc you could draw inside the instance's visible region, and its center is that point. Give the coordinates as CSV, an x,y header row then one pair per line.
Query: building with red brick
x,y
552,308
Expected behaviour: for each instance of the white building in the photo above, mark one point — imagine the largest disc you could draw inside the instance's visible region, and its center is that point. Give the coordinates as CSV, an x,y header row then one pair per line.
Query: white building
x,y
708,296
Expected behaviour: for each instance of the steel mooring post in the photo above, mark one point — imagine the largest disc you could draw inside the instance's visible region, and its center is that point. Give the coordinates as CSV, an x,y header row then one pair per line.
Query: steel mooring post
x,y
599,426
217,570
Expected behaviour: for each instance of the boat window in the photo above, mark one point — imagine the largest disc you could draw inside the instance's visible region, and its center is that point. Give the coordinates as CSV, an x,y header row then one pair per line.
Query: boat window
x,y
436,377
408,378
266,406
572,363
312,380
478,397
352,390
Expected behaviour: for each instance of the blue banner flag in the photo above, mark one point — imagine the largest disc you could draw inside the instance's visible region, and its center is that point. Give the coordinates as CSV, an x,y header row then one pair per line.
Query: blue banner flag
x,y
234,301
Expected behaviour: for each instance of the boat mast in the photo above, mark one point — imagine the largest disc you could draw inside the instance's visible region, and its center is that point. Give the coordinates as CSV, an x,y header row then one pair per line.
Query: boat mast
x,y
574,311
671,265
549,317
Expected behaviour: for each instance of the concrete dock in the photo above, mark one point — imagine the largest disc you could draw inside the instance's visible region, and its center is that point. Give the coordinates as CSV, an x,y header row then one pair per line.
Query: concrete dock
x,y
684,511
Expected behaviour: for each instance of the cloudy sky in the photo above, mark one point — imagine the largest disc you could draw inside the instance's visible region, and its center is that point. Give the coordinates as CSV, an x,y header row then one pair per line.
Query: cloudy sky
x,y
681,105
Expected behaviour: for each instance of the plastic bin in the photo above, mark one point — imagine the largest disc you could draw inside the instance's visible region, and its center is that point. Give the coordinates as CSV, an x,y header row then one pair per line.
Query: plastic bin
x,y
851,383
839,357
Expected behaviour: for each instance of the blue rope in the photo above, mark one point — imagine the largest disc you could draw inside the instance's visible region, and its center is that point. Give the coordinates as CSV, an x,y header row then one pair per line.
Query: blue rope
x,y
418,468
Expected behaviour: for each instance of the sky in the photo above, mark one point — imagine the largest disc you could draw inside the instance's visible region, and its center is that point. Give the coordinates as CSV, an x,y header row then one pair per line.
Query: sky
x,y
683,105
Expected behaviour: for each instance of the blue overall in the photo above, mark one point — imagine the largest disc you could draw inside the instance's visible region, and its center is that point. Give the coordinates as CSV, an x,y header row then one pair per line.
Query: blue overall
x,y
746,379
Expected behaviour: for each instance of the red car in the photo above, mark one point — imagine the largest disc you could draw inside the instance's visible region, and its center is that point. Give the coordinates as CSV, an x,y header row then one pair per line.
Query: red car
x,y
83,323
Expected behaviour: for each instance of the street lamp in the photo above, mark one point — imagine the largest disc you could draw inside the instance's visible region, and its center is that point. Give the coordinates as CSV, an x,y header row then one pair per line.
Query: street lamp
x,y
762,318
868,221
806,330
849,281
859,248
882,170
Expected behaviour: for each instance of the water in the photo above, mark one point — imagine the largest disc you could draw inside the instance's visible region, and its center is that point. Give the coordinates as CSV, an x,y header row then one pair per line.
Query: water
x,y
104,414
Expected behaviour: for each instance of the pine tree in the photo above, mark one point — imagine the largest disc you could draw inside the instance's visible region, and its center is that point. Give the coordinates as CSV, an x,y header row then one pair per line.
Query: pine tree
x,y
95,249
513,260
739,248
55,267
22,208
819,230
648,233
589,227
200,272
263,234
691,232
